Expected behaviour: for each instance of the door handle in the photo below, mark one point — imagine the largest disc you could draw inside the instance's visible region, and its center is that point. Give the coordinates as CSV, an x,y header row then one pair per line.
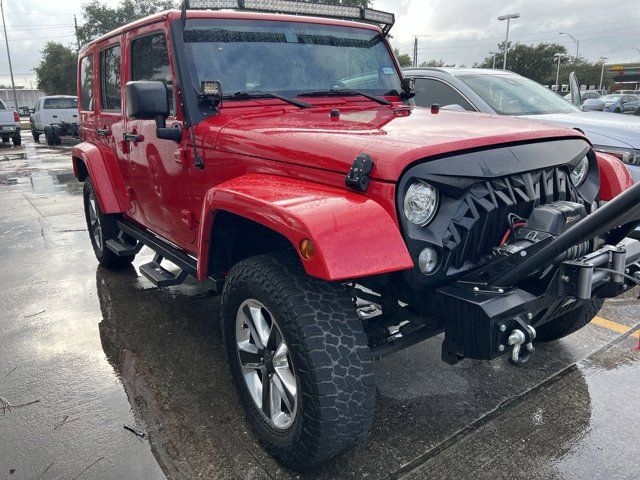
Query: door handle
x,y
132,137
103,132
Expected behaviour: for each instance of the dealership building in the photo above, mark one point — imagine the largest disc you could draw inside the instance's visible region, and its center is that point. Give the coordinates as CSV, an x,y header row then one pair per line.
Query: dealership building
x,y
626,76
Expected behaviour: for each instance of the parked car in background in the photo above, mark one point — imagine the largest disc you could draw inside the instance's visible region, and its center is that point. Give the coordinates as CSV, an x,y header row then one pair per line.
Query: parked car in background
x,y
619,103
593,105
55,117
9,125
626,92
506,93
586,95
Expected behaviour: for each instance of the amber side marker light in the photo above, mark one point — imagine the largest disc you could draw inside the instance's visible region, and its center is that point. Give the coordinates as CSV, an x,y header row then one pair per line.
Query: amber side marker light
x,y
307,249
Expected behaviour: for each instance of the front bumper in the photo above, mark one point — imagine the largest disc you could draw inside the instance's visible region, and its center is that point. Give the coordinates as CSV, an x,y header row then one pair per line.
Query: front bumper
x,y
481,319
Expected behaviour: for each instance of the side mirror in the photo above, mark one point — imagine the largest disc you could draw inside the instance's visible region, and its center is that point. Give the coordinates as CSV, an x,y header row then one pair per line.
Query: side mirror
x,y
408,86
574,85
147,100
150,101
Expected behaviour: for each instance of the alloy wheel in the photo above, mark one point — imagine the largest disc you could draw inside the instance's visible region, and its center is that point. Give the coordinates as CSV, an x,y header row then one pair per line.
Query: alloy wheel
x,y
266,364
94,222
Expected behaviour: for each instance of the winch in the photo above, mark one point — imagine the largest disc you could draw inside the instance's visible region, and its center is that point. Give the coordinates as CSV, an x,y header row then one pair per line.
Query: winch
x,y
545,221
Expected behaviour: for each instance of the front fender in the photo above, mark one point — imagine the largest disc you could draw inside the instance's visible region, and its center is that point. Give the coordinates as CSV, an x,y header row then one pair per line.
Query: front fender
x,y
105,176
353,235
614,176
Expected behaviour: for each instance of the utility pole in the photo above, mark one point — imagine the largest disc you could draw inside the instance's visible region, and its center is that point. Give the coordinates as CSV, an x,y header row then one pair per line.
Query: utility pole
x,y
576,41
415,49
604,59
559,57
494,53
6,39
75,22
508,18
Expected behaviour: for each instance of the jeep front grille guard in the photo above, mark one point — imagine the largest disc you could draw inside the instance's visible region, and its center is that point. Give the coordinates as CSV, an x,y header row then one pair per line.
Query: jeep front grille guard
x,y
360,14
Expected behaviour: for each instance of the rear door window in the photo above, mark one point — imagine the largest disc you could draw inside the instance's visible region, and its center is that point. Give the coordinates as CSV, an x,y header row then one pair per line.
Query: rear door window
x,y
86,83
110,79
430,91
150,61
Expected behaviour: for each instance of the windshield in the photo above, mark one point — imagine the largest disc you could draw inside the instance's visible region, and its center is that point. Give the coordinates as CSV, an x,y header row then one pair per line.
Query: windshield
x,y
60,103
611,98
289,58
515,95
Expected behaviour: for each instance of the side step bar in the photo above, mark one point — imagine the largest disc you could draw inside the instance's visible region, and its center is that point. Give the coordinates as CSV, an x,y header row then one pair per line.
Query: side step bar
x,y
160,276
153,271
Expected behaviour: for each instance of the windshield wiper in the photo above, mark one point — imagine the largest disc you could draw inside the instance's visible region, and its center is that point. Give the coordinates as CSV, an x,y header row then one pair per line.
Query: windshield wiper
x,y
260,94
346,91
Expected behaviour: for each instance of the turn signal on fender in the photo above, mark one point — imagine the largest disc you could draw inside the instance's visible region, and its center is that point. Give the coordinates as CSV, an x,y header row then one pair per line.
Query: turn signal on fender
x,y
307,249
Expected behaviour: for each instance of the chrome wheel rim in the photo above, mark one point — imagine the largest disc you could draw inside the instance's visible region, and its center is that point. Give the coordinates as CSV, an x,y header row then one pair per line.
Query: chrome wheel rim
x,y
266,364
94,222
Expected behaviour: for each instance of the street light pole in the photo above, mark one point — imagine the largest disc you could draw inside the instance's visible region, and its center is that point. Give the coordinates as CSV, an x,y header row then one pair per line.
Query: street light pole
x,y
559,57
508,18
604,59
6,39
576,41
494,53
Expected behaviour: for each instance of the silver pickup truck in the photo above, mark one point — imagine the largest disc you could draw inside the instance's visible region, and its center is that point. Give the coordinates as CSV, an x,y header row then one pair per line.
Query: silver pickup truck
x,y
9,125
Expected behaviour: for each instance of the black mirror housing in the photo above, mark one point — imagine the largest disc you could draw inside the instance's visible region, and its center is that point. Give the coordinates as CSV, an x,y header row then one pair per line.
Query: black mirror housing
x,y
147,100
408,88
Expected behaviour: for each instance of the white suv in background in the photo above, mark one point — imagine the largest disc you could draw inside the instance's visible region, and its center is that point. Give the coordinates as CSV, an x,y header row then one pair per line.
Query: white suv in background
x,y
55,116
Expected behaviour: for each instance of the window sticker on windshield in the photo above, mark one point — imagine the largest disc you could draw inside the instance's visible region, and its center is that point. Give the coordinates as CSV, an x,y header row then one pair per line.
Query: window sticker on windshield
x,y
387,70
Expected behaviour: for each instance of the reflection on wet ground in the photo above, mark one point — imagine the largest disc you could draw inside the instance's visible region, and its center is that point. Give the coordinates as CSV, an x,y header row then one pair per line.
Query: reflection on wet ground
x,y
100,349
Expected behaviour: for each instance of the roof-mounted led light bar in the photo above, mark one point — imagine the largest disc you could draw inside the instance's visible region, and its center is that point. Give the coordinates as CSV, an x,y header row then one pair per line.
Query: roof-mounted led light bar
x,y
369,15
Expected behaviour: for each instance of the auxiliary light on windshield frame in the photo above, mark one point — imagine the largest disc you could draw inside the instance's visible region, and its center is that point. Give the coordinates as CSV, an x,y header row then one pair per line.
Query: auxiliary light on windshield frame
x,y
368,15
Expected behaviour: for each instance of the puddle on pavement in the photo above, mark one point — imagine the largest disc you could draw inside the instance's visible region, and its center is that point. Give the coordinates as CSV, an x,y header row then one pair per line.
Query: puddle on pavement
x,y
41,170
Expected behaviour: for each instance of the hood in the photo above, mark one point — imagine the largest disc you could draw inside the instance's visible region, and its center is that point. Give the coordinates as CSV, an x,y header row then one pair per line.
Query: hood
x,y
604,129
393,137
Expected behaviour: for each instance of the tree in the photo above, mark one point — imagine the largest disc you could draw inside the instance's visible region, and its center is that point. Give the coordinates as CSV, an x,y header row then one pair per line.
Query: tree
x,y
434,63
588,73
532,61
100,19
56,73
404,59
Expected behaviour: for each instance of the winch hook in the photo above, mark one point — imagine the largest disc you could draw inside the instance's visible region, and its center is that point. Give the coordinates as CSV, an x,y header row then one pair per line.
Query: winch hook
x,y
519,337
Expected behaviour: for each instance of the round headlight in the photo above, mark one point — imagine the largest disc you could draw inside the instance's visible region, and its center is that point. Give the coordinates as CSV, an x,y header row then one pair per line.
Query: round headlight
x,y
580,172
421,203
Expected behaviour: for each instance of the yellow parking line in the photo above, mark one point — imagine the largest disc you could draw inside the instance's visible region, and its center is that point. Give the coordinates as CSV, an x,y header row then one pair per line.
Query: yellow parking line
x,y
614,326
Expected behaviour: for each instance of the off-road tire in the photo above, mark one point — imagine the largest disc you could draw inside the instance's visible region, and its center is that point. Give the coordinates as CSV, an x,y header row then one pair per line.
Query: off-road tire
x,y
569,323
329,353
35,135
109,231
17,140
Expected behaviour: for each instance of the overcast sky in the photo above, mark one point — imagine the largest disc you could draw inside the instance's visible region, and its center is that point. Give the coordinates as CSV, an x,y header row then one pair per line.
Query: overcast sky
x,y
460,31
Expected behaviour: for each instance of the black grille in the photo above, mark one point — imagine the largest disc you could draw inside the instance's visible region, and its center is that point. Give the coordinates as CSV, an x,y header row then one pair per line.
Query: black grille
x,y
481,220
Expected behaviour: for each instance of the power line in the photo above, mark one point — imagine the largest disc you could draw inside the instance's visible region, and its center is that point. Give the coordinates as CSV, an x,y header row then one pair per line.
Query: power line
x,y
41,38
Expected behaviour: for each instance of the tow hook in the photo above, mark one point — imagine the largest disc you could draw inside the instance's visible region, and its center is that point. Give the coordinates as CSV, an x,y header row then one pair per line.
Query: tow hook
x,y
525,335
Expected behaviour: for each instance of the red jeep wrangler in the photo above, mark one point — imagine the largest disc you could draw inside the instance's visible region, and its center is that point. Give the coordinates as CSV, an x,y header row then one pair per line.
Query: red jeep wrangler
x,y
280,156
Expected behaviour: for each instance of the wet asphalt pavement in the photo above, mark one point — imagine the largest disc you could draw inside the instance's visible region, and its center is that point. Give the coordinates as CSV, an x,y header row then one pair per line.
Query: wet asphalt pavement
x,y
85,352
